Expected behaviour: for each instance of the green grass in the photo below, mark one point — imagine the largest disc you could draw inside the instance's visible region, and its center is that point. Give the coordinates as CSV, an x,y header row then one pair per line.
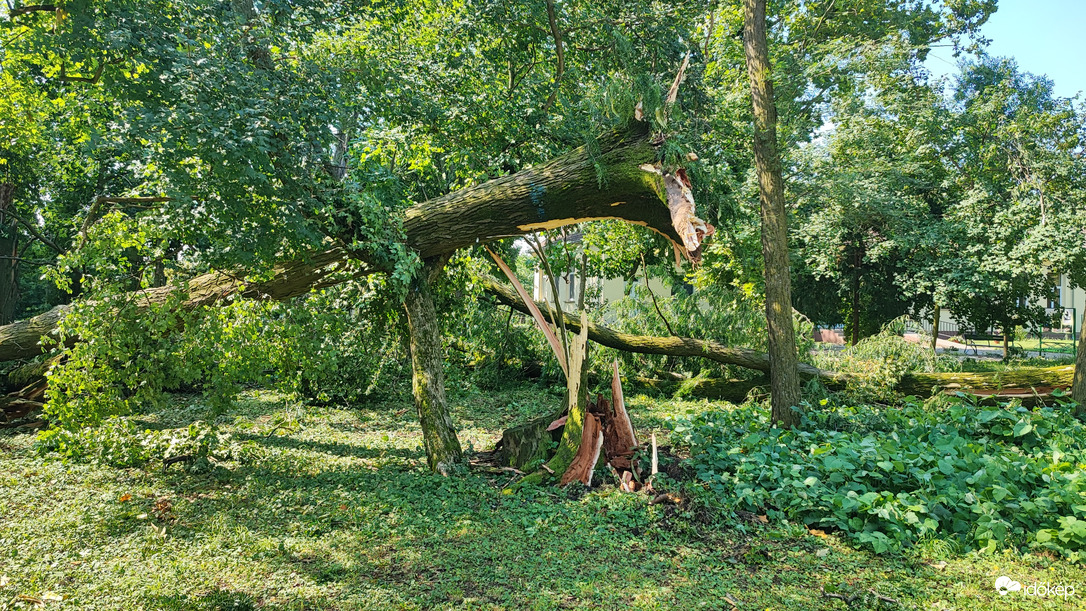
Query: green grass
x,y
335,510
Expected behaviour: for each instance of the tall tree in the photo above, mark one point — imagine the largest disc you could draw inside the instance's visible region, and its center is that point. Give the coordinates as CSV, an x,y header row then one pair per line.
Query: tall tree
x,y
783,373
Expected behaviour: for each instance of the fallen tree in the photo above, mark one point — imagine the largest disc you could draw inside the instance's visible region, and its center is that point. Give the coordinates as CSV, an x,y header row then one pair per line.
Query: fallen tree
x,y
670,346
1027,382
618,178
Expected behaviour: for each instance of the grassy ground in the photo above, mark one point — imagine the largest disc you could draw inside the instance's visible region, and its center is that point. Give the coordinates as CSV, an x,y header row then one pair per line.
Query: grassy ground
x,y
334,510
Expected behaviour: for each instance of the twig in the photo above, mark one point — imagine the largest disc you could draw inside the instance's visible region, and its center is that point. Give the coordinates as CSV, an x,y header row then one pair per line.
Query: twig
x,y
645,270
166,462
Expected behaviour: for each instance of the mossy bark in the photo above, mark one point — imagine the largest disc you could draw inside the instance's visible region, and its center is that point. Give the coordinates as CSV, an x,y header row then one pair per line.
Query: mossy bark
x,y
428,376
922,384
671,346
529,445
576,411
581,185
783,372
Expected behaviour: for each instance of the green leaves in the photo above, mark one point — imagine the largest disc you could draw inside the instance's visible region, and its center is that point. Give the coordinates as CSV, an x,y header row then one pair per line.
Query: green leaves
x,y
988,478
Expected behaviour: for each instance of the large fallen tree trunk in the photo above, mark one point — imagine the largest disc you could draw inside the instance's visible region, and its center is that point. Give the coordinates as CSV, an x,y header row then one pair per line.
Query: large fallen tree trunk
x,y
670,346
562,191
1019,383
618,179
1025,382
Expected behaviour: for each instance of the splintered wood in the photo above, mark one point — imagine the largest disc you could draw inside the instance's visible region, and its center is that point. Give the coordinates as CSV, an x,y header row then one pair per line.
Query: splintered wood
x,y
607,432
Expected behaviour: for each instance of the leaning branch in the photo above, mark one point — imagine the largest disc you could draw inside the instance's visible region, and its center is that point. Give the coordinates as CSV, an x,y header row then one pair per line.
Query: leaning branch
x,y
670,346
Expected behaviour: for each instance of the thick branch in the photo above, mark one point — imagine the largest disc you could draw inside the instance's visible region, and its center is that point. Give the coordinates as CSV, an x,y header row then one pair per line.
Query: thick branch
x,y
20,339
563,191
23,10
671,346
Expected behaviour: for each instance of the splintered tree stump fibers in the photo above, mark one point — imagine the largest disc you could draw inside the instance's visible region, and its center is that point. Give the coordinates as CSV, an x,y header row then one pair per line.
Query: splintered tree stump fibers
x,y
588,453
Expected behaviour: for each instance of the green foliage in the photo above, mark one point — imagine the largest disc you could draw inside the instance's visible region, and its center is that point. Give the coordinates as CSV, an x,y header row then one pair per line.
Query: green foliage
x,y
340,345
877,363
119,442
987,478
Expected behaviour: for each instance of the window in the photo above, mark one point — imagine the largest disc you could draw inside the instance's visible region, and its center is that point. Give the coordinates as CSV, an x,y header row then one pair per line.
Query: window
x,y
1054,300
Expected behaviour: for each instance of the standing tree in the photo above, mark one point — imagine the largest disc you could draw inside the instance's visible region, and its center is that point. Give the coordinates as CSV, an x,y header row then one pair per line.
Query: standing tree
x,y
783,375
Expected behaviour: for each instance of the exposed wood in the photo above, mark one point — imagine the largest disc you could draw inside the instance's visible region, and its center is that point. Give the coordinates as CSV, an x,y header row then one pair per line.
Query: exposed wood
x,y
588,453
655,457
618,399
576,405
1078,386
619,438
552,339
784,376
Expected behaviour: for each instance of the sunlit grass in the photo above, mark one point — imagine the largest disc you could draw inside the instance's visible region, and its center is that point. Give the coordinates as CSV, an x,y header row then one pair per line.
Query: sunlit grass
x,y
327,508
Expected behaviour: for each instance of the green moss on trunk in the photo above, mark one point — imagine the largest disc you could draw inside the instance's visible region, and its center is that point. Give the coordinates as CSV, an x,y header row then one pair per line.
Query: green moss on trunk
x,y
428,376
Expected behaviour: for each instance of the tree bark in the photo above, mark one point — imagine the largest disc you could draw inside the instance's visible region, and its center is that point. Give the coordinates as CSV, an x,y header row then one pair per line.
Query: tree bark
x,y
9,274
9,257
428,374
784,378
935,328
1025,381
670,346
563,191
1078,387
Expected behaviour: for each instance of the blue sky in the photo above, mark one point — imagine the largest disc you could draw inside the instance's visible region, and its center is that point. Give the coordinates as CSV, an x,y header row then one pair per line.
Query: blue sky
x,y
1046,37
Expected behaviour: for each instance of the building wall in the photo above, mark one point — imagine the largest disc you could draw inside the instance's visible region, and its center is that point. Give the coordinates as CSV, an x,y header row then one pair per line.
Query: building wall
x,y
611,289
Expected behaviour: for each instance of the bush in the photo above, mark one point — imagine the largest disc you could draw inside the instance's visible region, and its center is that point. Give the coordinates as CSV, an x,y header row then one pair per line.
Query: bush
x,y
983,478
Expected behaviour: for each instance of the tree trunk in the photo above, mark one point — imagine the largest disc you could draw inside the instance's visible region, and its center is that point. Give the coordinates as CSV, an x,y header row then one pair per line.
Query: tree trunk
x,y
1025,381
1078,388
563,191
428,374
784,378
935,328
9,250
1006,343
9,274
670,346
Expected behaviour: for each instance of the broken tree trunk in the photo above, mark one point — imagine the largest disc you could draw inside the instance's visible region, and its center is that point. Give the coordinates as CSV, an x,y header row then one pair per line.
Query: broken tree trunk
x,y
428,373
1013,382
1021,383
601,429
563,191
577,416
671,346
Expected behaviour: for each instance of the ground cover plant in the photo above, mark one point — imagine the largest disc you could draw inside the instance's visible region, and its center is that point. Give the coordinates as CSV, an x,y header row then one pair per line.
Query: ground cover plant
x,y
948,471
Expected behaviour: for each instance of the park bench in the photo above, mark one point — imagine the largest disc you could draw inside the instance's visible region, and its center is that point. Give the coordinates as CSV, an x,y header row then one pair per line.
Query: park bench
x,y
971,338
